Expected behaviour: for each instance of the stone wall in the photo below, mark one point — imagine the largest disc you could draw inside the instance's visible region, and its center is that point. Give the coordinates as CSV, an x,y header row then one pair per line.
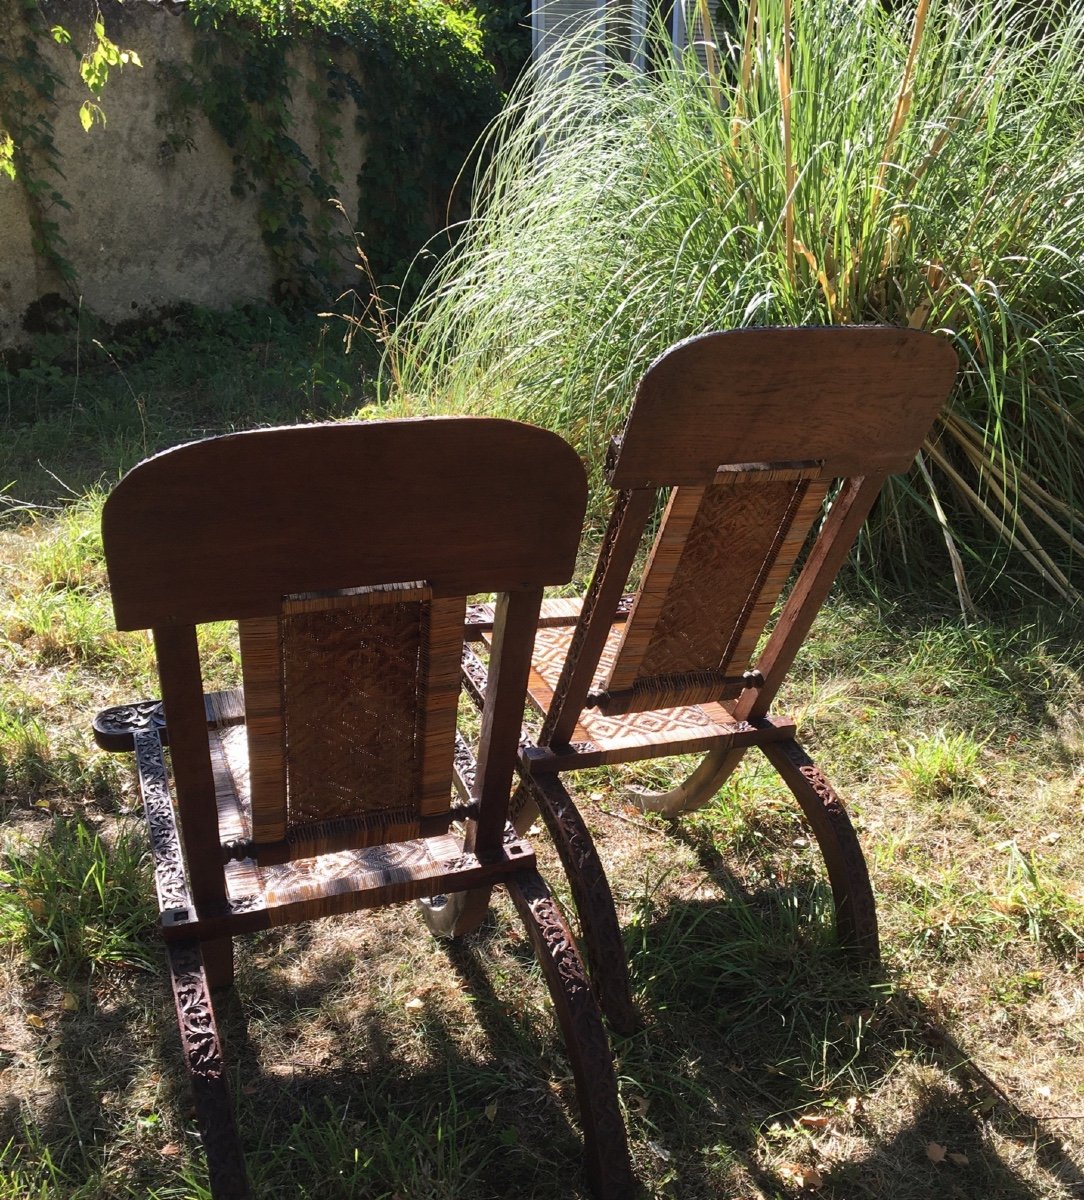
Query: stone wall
x,y
151,224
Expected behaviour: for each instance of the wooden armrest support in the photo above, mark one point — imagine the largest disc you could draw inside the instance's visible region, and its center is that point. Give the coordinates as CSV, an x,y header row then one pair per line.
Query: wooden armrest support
x,y
555,612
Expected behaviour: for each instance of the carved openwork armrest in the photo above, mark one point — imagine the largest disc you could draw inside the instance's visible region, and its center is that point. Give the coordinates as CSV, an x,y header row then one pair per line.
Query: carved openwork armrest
x,y
115,728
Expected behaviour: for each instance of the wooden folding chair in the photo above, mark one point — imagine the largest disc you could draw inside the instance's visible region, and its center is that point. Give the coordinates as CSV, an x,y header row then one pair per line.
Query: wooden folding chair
x,y
345,553
751,432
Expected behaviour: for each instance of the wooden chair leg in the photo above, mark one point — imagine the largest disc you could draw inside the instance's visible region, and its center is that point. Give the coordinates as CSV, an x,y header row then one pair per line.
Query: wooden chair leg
x,y
456,914
218,962
592,896
203,1058
856,911
694,792
609,1170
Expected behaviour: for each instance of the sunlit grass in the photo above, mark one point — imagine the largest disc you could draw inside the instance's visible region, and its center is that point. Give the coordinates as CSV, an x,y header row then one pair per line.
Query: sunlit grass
x,y
74,904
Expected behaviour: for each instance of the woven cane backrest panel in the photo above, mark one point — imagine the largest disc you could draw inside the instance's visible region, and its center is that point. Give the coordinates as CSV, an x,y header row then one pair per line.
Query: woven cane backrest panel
x,y
717,567
350,710
351,686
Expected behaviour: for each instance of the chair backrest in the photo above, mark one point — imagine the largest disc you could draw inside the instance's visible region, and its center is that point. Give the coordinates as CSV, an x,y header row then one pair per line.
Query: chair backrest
x,y
345,552
751,430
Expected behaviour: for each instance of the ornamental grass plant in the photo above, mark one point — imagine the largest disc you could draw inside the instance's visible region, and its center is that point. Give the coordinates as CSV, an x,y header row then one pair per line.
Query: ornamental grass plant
x,y
817,162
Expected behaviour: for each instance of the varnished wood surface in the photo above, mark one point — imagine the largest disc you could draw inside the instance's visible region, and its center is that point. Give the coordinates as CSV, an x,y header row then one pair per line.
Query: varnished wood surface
x,y
346,553
750,429
859,399
225,528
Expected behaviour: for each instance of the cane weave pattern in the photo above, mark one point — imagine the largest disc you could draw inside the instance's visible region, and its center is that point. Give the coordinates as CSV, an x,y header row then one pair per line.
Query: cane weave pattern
x,y
350,681
712,580
695,724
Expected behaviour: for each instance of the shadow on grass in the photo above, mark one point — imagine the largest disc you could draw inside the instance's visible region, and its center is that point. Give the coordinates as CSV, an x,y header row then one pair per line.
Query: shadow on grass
x,y
764,1052
766,1055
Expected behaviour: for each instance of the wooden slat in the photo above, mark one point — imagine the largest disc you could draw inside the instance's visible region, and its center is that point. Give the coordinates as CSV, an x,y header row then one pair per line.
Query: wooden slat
x,y
738,474
438,684
502,718
304,890
845,518
860,399
190,759
622,540
225,708
795,529
261,665
722,734
229,759
665,557
357,597
558,610
670,691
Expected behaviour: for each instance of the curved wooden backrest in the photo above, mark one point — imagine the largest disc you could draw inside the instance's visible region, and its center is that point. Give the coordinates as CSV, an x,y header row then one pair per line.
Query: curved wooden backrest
x,y
226,527
749,429
859,399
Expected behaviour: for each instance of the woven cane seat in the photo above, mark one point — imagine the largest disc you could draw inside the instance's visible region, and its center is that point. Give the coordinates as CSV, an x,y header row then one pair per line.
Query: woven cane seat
x,y
686,728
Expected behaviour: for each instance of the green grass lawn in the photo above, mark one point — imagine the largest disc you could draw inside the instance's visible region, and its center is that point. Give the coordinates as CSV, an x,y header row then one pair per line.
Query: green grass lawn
x,y
371,1061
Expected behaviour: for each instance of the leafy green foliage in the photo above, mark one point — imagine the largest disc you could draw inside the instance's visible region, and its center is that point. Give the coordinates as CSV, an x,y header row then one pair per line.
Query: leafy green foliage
x,y
94,68
28,85
416,76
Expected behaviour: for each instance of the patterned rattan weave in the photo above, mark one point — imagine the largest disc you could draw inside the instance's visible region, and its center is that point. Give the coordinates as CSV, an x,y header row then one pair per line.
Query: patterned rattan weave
x,y
351,681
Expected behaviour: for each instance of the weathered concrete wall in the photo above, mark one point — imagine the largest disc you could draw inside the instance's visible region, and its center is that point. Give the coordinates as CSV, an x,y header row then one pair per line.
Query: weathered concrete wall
x,y
149,226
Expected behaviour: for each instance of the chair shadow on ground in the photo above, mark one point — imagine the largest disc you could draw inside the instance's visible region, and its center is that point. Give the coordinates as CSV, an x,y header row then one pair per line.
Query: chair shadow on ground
x,y
750,1001
753,1018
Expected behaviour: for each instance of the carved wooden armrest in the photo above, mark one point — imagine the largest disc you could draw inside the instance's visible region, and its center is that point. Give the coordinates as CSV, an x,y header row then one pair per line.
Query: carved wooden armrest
x,y
115,728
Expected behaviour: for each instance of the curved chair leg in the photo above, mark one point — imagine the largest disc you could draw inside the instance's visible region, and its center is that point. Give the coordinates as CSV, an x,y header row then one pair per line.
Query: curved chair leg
x,y
856,911
713,771
605,1145
592,896
456,914
203,1058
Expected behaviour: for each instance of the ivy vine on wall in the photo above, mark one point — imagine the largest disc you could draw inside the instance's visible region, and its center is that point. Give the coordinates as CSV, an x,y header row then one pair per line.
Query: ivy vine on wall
x,y
29,90
410,78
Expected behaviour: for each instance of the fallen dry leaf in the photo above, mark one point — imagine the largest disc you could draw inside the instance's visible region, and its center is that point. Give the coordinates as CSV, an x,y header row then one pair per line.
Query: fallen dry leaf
x,y
961,1160
935,1152
491,1111
170,1150
414,1003
34,1021
804,1177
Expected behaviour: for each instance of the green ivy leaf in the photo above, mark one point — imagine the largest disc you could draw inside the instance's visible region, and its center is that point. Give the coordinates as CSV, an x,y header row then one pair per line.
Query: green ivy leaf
x,y
89,112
